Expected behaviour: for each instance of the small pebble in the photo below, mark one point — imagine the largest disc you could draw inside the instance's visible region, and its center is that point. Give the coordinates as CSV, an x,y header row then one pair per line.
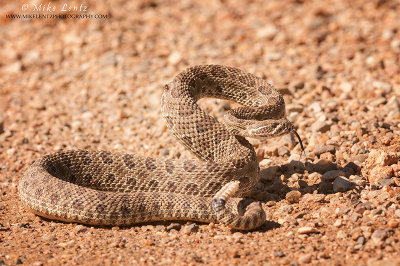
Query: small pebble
x,y
393,223
346,87
385,182
341,234
80,228
332,175
322,148
307,230
305,259
361,240
313,197
354,217
269,174
191,228
174,58
294,157
325,187
278,254
268,31
148,242
286,209
283,151
379,235
338,223
320,126
342,184
293,196
315,107
174,226
385,87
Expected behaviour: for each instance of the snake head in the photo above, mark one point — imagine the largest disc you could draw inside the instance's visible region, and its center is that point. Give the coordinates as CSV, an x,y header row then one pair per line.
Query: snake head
x,y
269,128
258,129
272,128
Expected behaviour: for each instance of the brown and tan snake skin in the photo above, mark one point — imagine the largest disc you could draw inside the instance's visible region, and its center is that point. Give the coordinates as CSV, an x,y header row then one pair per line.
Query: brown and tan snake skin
x,y
104,188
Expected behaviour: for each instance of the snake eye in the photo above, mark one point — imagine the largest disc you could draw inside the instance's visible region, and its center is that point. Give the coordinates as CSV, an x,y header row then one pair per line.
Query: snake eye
x,y
166,87
274,125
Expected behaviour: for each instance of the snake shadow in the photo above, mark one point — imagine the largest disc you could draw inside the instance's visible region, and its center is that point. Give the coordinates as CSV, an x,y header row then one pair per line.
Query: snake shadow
x,y
318,186
276,187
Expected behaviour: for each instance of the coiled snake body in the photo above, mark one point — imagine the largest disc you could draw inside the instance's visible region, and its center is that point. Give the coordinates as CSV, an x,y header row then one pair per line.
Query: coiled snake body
x,y
104,188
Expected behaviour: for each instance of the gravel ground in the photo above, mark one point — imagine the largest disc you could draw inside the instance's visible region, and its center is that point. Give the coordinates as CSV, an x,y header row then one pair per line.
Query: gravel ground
x,y
96,84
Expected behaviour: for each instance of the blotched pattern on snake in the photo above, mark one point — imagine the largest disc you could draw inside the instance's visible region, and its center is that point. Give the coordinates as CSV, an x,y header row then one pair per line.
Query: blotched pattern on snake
x,y
104,188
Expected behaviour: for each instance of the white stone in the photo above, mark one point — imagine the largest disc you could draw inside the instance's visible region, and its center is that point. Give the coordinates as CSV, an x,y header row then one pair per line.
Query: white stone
x,y
268,31
306,230
174,58
386,87
346,87
315,107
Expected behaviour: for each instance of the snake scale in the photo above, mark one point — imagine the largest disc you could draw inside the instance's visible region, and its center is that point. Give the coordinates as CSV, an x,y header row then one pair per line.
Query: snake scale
x,y
104,188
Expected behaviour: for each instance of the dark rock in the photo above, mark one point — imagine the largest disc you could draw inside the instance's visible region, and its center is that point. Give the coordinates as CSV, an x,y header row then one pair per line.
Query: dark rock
x,y
342,184
322,148
325,187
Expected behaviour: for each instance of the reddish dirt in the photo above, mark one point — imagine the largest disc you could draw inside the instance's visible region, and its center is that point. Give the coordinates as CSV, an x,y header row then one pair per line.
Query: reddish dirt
x,y
96,84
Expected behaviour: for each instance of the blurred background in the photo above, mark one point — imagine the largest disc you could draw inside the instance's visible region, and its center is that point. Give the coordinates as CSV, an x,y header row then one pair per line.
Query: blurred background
x,y
92,76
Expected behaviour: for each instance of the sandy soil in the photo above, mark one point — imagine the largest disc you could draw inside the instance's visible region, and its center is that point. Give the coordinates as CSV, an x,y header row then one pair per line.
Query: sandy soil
x,y
96,84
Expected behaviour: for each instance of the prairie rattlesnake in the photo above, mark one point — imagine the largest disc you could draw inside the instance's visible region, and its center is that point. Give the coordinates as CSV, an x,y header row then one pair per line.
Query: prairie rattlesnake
x,y
104,188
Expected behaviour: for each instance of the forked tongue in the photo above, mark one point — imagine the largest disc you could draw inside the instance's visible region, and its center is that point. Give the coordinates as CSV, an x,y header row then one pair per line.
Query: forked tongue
x,y
301,143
